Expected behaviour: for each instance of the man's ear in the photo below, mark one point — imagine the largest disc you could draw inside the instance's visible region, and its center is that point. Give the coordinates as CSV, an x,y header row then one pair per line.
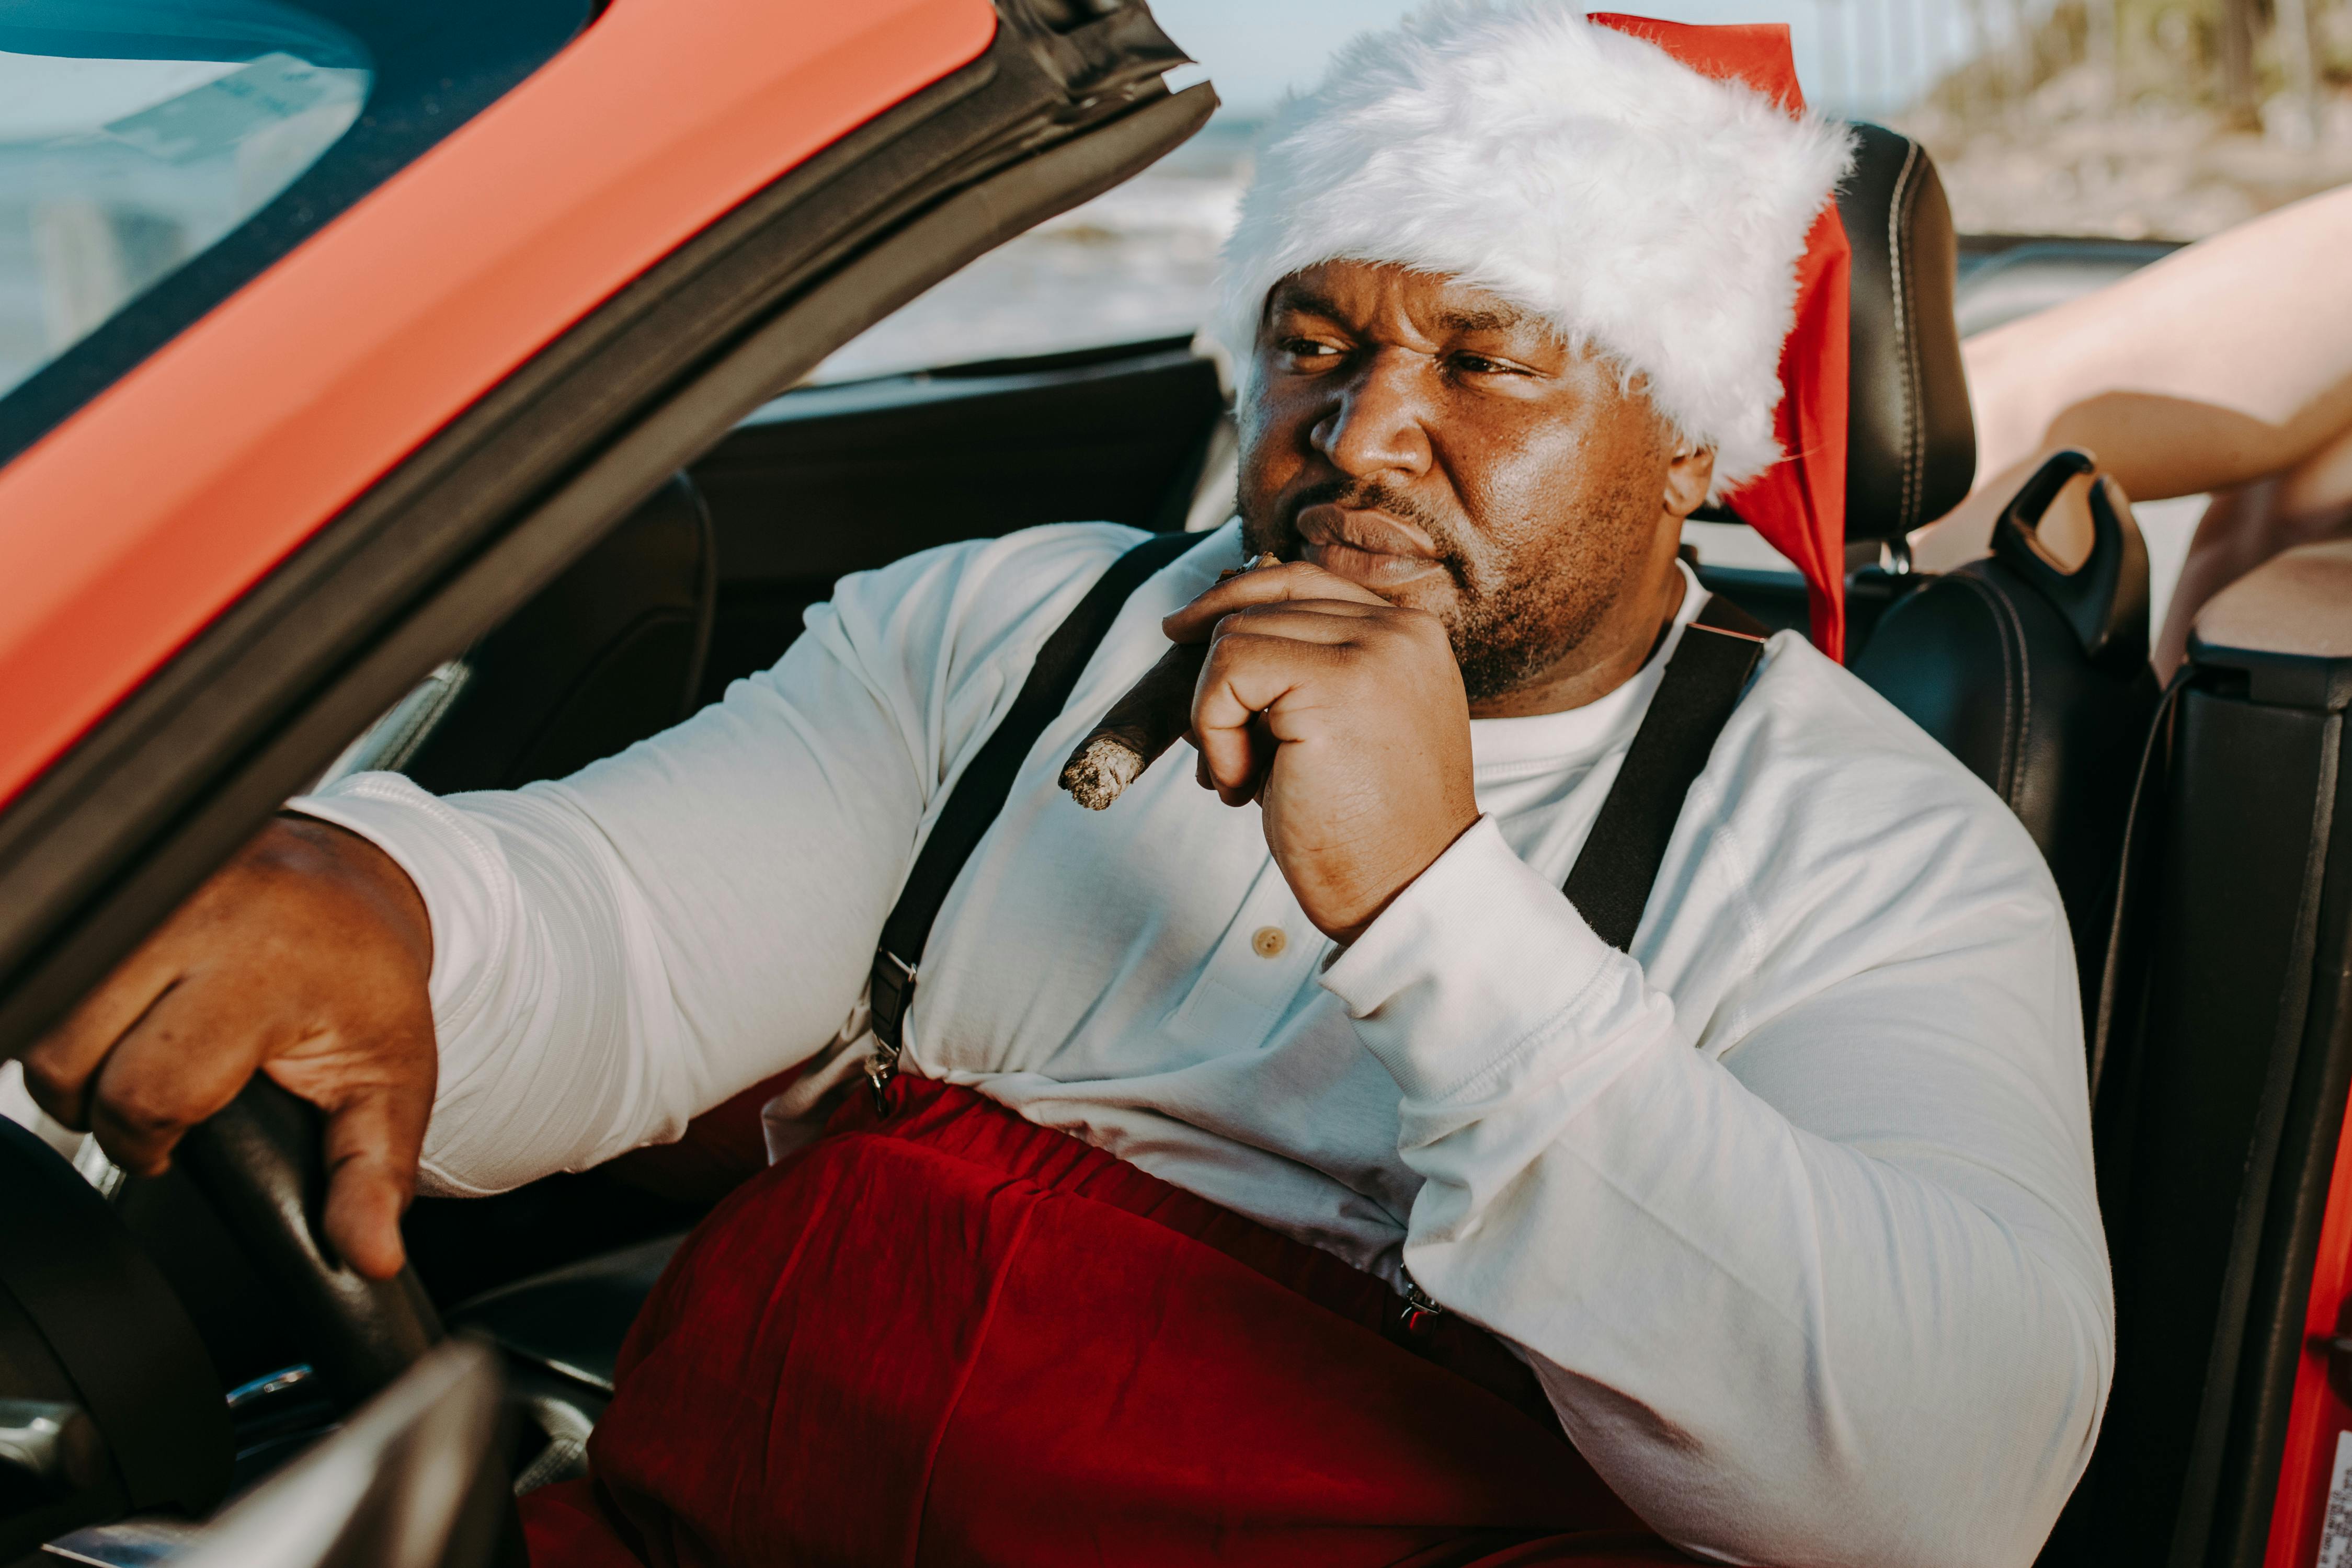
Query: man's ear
x,y
1687,478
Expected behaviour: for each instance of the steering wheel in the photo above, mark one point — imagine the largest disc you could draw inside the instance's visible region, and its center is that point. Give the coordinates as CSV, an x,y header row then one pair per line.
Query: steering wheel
x,y
261,1162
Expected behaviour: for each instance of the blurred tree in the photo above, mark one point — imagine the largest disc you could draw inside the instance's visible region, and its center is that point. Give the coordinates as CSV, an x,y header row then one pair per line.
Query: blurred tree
x,y
2171,119
2234,56
2240,25
2292,33
1974,88
2102,27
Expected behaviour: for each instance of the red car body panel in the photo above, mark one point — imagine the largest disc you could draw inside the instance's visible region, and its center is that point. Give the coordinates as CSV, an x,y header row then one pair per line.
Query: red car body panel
x,y
2318,1412
129,527
134,524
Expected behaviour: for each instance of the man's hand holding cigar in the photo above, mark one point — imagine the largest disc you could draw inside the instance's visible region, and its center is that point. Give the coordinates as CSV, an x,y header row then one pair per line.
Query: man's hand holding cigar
x,y
1690,1222
1344,716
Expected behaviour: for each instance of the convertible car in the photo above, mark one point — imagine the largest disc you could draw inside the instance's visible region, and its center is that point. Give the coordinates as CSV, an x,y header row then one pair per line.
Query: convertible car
x,y
456,425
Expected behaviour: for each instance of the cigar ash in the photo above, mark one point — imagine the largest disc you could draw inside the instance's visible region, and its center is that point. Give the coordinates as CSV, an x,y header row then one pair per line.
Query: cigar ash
x,y
1103,766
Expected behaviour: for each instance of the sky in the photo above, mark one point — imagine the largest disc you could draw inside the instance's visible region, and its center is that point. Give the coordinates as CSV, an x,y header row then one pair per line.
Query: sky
x,y
1853,57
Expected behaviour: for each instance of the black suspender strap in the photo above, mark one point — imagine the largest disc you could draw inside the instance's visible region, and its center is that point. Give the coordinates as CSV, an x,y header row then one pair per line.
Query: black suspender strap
x,y
980,794
1611,883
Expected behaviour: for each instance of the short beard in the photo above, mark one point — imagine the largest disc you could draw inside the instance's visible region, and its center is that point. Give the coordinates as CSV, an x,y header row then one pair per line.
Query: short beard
x,y
1512,619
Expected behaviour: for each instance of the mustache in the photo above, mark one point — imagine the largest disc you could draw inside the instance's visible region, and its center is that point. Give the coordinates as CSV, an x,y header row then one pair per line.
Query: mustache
x,y
1371,496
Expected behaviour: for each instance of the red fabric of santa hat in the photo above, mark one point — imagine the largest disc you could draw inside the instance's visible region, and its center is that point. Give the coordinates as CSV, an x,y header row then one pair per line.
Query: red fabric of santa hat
x,y
1799,503
1656,190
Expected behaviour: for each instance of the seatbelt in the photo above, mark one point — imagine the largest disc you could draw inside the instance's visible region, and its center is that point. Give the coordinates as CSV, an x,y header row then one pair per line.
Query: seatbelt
x,y
1609,886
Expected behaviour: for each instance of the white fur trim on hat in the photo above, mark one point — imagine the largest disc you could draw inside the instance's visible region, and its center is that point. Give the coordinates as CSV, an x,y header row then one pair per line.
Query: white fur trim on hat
x,y
1647,211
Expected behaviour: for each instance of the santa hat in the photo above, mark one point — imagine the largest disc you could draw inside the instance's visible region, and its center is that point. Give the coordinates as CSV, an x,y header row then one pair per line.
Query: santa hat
x,y
1656,191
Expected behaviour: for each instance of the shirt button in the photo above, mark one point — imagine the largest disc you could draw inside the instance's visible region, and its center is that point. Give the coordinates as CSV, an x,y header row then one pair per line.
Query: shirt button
x,y
1269,942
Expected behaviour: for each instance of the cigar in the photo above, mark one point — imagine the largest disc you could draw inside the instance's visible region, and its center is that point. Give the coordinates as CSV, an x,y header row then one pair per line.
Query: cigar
x,y
1152,717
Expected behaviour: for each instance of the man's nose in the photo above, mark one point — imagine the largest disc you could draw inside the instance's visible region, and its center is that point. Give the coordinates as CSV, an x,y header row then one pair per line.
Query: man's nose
x,y
1377,426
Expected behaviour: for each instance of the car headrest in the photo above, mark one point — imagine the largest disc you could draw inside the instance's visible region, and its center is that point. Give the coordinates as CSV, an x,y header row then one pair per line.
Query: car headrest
x,y
1911,443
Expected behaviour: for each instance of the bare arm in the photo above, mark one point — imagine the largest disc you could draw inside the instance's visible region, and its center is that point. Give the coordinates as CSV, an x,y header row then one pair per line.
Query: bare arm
x,y
305,958
610,954
2227,362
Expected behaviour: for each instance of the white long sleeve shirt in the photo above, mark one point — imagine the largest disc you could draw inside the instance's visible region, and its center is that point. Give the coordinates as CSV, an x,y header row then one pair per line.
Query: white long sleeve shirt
x,y
1790,1207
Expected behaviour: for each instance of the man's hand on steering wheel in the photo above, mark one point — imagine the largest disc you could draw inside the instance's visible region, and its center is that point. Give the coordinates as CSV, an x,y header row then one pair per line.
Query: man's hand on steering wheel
x,y
307,957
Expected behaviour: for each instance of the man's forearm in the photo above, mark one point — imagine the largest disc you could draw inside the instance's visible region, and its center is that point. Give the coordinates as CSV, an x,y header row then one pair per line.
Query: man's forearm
x,y
1702,1279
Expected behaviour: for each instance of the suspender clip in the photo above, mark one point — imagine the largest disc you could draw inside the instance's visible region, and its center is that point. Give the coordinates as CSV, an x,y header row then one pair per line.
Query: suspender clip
x,y
881,1066
891,992
1420,1309
980,793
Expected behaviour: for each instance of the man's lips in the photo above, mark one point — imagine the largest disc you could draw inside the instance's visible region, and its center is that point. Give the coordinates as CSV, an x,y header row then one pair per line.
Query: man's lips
x,y
1375,548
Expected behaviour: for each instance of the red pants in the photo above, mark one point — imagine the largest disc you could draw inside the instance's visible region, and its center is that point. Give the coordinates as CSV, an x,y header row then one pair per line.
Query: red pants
x,y
952,1337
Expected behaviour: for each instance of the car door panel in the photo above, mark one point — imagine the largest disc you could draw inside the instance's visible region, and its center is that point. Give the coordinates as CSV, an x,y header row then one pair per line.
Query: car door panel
x,y
2220,1066
504,498
835,479
132,525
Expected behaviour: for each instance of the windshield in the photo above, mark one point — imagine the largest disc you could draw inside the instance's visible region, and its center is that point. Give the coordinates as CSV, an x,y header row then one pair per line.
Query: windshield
x,y
114,172
157,155
2135,120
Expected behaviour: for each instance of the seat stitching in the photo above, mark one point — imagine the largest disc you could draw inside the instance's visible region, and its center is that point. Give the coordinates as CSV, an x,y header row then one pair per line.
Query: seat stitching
x,y
2024,703
2013,719
1906,341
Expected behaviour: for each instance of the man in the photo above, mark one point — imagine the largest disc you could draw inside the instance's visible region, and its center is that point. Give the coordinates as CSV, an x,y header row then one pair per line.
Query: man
x,y
1788,1204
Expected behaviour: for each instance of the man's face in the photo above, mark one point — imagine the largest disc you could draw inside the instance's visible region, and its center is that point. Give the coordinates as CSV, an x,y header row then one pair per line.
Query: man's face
x,y
1448,452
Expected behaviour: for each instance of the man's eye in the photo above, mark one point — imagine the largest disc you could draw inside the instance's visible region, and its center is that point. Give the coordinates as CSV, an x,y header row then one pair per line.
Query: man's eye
x,y
1479,365
1306,349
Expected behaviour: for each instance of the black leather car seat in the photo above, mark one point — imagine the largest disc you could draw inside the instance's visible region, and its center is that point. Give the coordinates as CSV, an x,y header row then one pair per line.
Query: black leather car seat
x,y
2037,677
609,652
1911,447
2033,677
1911,442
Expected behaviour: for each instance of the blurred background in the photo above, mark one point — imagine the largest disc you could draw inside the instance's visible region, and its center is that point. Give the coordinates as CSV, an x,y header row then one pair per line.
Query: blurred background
x,y
2135,120
2143,122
